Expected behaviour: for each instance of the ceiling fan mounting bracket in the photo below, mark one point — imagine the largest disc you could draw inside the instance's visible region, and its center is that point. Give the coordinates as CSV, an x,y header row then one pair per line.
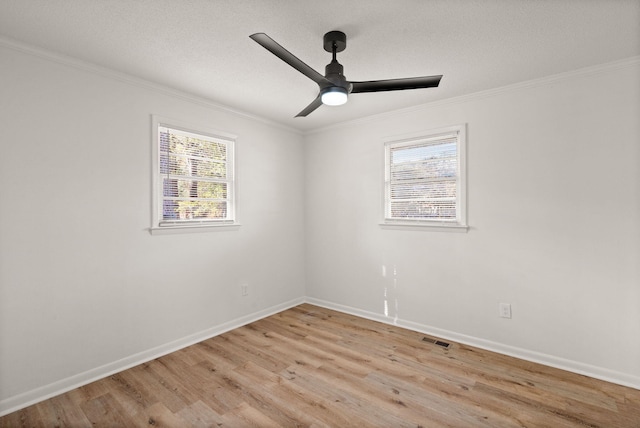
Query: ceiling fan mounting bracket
x,y
337,38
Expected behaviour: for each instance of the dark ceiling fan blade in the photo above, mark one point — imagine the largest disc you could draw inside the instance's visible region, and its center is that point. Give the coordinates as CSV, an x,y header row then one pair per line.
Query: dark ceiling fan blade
x,y
272,46
311,107
396,84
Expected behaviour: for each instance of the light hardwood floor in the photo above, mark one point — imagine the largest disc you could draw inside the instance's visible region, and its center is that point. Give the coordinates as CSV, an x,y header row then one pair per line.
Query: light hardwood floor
x,y
313,367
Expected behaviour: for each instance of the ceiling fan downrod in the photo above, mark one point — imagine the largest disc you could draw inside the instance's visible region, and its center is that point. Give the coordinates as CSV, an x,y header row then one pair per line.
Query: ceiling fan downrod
x,y
337,93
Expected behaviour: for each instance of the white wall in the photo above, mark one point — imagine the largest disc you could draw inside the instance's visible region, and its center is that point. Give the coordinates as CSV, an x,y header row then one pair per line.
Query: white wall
x,y
84,287
554,210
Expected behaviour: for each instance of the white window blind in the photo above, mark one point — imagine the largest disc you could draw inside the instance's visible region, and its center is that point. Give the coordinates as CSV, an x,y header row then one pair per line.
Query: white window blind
x,y
195,182
424,180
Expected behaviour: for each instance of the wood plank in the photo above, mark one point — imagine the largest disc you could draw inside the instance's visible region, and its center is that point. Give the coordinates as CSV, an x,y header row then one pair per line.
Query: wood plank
x,y
358,409
200,415
106,411
62,410
314,367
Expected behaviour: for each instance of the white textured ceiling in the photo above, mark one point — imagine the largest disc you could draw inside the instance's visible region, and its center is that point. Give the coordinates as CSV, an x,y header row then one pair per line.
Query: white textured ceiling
x,y
203,46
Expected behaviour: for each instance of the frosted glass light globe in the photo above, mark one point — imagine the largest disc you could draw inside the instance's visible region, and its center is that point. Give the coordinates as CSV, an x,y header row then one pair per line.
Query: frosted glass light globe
x,y
334,96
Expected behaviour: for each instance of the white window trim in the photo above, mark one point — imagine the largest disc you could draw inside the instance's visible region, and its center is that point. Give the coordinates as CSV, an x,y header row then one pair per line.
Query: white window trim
x,y
460,224
195,226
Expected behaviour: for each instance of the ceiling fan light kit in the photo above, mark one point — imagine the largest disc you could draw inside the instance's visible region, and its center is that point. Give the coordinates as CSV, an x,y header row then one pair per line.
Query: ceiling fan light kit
x,y
333,96
334,87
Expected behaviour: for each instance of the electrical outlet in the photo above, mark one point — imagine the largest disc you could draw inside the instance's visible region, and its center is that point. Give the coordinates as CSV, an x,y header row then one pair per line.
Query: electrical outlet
x,y
244,289
505,310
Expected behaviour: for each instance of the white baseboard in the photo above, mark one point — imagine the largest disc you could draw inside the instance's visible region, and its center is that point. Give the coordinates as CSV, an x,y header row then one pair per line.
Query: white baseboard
x,y
523,354
28,398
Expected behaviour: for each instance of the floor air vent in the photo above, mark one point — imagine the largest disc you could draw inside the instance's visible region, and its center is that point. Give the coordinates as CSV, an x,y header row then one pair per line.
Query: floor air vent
x,y
436,342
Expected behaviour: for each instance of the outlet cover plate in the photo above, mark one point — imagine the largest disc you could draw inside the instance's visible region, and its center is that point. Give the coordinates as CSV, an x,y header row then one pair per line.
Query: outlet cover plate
x,y
505,310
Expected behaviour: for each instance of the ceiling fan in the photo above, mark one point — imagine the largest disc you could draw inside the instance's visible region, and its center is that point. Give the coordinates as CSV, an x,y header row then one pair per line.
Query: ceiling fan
x,y
334,87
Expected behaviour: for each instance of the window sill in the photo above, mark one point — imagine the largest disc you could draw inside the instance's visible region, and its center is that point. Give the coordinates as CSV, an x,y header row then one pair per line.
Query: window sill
x,y
199,228
424,226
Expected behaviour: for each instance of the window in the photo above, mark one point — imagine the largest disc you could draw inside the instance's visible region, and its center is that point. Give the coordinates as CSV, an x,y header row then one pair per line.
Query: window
x,y
425,180
193,177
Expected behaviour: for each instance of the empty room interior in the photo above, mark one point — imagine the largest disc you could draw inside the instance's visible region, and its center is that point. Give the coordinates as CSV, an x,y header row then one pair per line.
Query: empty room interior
x,y
336,213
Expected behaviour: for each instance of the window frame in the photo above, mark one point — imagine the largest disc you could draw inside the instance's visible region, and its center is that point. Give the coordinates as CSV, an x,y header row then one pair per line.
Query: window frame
x,y
158,226
431,135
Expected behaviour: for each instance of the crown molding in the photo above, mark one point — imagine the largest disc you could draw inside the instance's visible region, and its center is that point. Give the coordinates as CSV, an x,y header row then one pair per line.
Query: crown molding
x,y
133,80
488,93
167,90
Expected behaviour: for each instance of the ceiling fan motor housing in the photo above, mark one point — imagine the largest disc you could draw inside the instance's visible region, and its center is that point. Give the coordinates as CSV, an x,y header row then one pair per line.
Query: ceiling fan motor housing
x,y
336,41
333,72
